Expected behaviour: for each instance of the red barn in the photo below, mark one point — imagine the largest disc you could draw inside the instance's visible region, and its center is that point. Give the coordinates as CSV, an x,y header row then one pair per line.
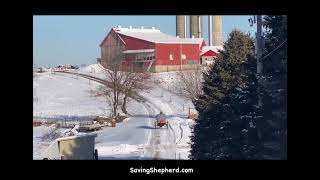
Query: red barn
x,y
151,49
209,53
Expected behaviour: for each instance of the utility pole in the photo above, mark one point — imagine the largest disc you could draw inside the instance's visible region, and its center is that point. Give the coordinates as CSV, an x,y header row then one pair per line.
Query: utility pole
x,y
259,54
258,48
259,75
259,44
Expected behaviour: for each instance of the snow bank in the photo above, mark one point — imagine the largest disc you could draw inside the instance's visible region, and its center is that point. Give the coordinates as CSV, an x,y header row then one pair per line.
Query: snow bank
x,y
119,149
182,130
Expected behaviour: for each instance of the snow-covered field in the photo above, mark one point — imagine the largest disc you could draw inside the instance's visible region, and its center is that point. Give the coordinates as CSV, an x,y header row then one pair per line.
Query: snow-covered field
x,y
60,95
65,95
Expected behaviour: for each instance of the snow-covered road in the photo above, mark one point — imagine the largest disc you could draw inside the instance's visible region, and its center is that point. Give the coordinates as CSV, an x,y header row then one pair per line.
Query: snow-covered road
x,y
137,138
161,144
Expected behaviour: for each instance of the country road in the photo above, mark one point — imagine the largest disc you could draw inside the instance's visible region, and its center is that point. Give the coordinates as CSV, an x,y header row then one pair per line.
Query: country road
x,y
62,94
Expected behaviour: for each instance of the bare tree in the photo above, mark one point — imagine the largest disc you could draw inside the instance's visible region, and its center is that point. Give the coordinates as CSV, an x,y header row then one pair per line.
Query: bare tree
x,y
134,81
114,77
190,83
122,81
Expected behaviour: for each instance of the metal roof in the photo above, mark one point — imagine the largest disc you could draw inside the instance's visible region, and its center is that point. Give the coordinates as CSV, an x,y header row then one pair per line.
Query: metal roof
x,y
138,51
156,36
213,48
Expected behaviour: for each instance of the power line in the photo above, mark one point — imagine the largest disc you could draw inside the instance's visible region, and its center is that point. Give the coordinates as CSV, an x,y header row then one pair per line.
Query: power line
x,y
274,50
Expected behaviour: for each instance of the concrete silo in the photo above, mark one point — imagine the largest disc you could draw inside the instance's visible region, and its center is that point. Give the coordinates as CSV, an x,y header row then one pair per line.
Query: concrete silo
x,y
196,24
181,26
215,31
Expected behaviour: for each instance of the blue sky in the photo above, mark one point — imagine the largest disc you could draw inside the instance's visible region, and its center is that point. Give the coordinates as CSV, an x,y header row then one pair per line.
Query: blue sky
x,y
75,39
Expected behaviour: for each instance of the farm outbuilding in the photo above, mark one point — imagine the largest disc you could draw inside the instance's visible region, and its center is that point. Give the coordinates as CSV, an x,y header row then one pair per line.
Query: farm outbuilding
x,y
209,53
151,49
81,147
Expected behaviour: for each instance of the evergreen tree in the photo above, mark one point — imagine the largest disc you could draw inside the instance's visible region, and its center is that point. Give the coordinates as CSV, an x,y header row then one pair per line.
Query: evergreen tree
x,y
230,124
274,89
224,128
243,114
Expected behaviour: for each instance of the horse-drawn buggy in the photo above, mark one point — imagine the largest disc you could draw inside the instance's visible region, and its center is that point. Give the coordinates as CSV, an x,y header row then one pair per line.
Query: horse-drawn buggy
x,y
161,121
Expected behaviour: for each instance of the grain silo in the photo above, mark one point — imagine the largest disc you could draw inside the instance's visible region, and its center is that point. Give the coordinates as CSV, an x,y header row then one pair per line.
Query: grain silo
x,y
215,31
181,26
196,24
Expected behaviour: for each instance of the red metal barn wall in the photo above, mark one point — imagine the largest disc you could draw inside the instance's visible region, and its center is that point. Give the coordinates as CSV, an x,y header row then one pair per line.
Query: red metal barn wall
x,y
115,43
210,53
163,52
135,44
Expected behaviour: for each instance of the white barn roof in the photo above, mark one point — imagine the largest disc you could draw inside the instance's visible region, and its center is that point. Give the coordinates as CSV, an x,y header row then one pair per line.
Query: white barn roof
x,y
138,51
155,36
213,48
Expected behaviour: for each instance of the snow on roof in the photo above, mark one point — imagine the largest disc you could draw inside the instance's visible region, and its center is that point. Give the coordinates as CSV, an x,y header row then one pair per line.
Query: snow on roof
x,y
76,137
130,29
212,48
155,36
138,51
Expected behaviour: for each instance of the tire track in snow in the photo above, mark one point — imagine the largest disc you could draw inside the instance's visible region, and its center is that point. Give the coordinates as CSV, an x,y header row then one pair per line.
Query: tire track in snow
x,y
159,148
149,147
167,105
149,135
181,133
154,141
174,134
155,107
